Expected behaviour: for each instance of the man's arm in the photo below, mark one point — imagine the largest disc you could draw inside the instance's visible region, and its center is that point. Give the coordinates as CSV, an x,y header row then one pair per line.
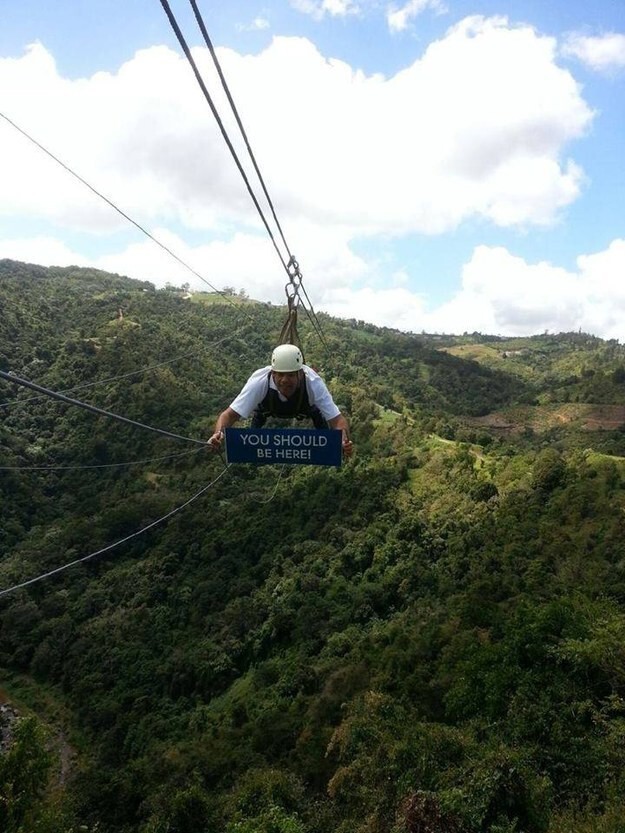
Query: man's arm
x,y
250,395
226,419
343,425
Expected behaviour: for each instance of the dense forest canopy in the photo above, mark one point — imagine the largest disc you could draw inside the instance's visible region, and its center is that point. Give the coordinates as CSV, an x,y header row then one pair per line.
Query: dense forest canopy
x,y
426,640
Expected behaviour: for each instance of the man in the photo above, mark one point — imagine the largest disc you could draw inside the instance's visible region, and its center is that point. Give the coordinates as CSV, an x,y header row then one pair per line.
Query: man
x,y
285,388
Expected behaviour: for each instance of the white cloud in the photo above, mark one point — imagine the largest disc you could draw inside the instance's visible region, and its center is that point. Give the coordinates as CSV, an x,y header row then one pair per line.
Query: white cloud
x,y
318,9
446,139
602,276
257,25
340,8
500,292
44,250
242,260
399,19
397,307
477,128
220,263
602,53
503,294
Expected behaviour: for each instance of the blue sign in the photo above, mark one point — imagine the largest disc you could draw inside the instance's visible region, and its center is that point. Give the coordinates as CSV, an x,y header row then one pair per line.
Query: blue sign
x,y
294,446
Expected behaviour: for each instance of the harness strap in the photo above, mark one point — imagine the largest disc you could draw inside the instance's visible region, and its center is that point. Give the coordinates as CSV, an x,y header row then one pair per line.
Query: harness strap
x,y
288,333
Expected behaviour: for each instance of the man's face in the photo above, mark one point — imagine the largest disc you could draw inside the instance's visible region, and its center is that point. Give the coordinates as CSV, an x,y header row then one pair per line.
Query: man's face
x,y
286,382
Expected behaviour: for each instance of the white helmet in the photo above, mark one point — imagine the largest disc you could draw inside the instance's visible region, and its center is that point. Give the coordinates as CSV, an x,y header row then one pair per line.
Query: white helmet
x,y
286,358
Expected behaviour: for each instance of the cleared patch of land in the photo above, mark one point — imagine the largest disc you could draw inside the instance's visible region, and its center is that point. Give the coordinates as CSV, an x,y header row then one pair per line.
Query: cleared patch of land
x,y
540,418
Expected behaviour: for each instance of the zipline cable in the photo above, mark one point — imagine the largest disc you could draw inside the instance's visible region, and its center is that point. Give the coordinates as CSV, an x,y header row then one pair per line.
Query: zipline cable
x,y
185,48
123,375
122,213
224,84
117,543
314,320
292,263
293,300
101,465
23,132
16,380
138,225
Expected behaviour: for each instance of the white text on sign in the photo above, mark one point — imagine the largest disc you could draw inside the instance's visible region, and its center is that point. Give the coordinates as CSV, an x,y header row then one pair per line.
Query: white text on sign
x,y
294,441
281,454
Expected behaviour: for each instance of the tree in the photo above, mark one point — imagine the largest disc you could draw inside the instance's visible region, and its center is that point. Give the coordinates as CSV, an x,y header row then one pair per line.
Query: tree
x,y
24,772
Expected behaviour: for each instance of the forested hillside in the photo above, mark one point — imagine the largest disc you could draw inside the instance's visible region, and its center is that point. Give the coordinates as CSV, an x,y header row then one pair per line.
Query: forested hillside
x,y
426,640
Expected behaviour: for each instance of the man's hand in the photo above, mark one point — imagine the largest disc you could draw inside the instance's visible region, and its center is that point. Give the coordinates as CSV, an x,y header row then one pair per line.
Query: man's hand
x,y
216,440
226,419
348,446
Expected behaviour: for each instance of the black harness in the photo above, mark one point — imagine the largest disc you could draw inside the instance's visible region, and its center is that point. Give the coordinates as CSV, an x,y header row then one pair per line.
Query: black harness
x,y
296,406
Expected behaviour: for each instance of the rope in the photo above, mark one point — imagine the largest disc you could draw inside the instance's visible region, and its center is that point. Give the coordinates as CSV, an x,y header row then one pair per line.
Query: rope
x,y
122,213
275,490
288,333
117,543
17,381
292,289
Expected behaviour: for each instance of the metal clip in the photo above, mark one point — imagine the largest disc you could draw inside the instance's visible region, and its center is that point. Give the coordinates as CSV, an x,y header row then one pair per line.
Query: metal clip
x,y
292,294
293,269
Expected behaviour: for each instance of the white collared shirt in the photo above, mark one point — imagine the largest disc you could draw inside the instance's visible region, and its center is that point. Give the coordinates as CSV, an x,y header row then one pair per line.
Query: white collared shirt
x,y
255,390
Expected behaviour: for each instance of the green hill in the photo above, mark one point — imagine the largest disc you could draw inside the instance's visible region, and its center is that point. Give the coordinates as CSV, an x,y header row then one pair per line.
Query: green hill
x,y
428,639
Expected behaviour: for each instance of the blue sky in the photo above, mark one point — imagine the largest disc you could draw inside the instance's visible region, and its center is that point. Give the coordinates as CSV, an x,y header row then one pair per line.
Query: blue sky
x,y
440,166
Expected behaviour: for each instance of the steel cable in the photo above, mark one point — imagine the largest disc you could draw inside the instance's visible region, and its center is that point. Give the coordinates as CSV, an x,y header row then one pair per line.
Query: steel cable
x,y
116,543
119,211
16,380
